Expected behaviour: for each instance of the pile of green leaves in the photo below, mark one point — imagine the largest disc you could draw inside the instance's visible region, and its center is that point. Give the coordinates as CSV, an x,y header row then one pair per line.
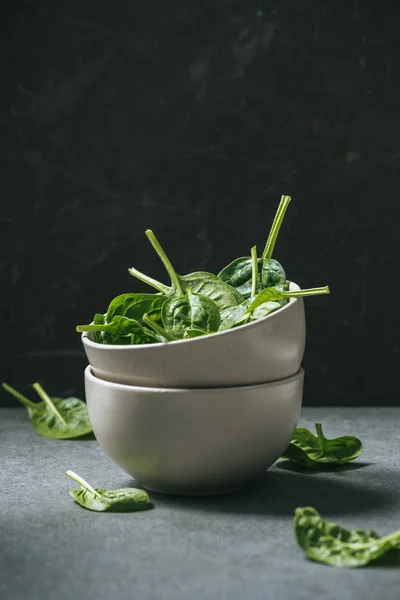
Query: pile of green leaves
x,y
199,303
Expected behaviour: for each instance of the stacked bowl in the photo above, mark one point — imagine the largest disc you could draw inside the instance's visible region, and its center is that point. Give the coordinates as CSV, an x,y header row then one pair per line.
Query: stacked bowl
x,y
204,415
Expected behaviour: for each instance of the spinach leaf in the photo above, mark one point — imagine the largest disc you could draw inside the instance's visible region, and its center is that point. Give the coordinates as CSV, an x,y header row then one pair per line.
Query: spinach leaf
x,y
189,311
211,286
133,306
199,282
56,418
234,316
307,449
238,273
333,545
265,309
183,309
160,332
98,319
122,330
100,500
274,294
192,332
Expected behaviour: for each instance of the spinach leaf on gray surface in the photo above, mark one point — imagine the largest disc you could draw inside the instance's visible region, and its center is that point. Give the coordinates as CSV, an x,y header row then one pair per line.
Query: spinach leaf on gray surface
x,y
56,418
336,546
100,500
309,450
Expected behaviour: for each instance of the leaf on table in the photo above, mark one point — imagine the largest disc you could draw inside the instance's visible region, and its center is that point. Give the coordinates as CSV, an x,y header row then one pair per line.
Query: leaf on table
x,y
101,500
309,450
56,418
336,546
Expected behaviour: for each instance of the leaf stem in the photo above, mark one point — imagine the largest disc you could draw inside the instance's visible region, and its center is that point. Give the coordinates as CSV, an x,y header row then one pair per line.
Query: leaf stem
x,y
254,271
166,262
307,292
47,400
276,225
165,289
25,401
80,481
157,328
321,437
94,327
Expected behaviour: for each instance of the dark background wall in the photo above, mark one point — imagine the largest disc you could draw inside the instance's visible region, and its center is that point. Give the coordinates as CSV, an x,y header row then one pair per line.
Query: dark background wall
x,y
192,118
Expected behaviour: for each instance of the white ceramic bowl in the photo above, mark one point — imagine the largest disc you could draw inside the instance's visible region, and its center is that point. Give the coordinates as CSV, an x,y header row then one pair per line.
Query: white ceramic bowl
x,y
194,441
269,349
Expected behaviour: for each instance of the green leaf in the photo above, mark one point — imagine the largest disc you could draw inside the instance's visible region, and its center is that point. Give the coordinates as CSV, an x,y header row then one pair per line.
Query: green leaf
x,y
192,332
134,306
100,500
308,450
56,418
207,284
238,273
233,316
122,330
333,545
266,309
99,319
274,294
190,311
158,330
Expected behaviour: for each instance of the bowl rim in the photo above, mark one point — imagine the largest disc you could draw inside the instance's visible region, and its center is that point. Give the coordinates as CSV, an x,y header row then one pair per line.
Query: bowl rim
x,y
207,390
205,338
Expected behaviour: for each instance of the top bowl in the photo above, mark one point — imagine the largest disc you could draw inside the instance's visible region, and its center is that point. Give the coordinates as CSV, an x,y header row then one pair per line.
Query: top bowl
x,y
269,349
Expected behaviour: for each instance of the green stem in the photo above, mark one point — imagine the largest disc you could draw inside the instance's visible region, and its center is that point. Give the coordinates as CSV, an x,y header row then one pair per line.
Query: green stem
x,y
94,327
254,271
157,328
27,403
47,400
321,437
308,292
166,262
276,225
80,481
165,289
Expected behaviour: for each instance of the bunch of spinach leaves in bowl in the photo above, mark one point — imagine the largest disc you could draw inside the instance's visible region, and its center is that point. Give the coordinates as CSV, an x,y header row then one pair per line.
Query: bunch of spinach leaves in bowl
x,y
199,303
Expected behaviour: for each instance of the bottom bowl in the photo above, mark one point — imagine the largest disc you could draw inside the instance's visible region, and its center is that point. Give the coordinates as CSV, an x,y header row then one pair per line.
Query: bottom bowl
x,y
194,441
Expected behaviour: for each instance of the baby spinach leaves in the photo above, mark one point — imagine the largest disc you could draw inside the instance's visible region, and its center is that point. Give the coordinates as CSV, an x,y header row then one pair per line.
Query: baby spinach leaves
x,y
57,418
189,311
309,450
336,546
100,500
238,273
199,303
134,306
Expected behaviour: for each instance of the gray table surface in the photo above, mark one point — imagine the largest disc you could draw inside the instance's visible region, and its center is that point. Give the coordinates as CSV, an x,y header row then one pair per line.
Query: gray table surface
x,y
227,547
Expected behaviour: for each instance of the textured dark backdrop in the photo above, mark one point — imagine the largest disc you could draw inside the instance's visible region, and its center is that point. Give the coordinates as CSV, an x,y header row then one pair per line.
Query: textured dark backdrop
x,y
192,118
